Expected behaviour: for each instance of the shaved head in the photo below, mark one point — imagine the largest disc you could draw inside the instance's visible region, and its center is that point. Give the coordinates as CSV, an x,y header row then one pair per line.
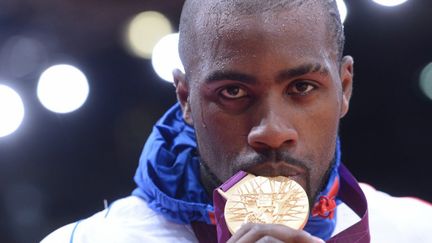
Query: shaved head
x,y
201,16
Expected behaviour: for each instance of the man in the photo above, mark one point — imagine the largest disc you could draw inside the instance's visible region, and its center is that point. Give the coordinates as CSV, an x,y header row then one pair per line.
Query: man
x,y
264,89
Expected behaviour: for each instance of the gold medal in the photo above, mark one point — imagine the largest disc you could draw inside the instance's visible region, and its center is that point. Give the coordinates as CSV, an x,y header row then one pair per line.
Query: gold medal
x,y
266,200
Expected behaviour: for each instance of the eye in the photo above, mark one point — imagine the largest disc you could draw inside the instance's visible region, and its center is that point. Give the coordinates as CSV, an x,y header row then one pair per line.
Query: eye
x,y
301,88
233,92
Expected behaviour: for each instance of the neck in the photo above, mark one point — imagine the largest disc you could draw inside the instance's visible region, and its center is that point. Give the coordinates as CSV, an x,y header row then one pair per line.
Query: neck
x,y
208,179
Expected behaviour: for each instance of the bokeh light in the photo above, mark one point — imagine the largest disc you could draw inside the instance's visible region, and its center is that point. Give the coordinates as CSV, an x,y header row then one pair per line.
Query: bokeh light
x,y
389,3
145,30
62,88
11,110
21,56
166,57
343,10
426,80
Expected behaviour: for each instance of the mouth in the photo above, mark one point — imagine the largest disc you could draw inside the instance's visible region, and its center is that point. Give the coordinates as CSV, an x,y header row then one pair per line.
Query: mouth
x,y
281,168
273,169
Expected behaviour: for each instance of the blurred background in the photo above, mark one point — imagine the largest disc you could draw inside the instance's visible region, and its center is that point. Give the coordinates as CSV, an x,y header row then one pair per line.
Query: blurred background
x,y
82,82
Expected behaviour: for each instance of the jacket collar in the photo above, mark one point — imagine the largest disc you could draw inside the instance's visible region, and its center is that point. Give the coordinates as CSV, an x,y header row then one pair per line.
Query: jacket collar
x,y
167,177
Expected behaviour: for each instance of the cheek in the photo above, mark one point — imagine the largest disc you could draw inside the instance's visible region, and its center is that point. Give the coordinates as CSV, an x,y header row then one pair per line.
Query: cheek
x,y
220,137
216,126
318,139
324,128
322,122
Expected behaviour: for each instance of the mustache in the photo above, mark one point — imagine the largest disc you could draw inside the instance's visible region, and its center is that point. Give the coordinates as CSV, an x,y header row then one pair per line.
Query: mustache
x,y
274,156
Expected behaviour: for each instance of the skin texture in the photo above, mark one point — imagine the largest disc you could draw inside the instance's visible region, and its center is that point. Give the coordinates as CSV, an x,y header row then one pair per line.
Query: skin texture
x,y
271,233
265,93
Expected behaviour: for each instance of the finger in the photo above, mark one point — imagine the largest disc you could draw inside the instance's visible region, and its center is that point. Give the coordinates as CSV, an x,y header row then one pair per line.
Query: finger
x,y
241,232
254,232
269,239
279,232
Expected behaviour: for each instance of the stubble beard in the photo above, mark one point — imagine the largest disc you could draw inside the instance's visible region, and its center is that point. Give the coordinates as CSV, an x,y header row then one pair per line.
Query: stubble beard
x,y
210,181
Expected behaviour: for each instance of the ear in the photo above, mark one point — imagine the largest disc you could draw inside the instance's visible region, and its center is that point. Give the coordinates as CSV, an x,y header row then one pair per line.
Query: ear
x,y
346,74
182,91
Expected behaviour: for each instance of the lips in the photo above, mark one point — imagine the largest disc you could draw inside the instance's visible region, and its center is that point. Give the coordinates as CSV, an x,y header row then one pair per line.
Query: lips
x,y
273,169
281,168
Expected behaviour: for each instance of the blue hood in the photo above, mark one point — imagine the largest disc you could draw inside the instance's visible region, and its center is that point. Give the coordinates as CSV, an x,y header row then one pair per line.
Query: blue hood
x,y
167,177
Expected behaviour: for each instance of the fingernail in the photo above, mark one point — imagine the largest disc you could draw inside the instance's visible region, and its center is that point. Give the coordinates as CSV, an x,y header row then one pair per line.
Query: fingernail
x,y
317,240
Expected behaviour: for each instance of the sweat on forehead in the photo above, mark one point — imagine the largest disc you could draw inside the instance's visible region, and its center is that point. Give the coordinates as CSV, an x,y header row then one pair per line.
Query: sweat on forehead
x,y
202,20
247,6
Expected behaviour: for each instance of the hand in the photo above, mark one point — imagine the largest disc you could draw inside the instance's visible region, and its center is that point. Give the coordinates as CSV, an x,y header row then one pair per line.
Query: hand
x,y
272,233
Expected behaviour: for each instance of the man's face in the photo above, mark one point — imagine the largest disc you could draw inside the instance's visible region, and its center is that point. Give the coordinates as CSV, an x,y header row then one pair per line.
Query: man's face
x,y
265,95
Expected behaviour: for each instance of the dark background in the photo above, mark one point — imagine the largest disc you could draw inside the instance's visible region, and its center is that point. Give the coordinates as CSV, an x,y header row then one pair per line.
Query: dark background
x,y
57,168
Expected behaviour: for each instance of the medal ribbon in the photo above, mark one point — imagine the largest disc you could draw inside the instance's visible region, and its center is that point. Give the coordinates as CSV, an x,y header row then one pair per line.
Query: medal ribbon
x,y
350,193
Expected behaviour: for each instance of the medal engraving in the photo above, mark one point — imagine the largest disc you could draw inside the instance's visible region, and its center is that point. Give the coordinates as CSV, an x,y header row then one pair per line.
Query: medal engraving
x,y
275,200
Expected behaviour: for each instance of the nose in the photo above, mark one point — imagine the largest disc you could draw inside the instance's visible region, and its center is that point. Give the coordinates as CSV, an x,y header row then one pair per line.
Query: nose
x,y
273,131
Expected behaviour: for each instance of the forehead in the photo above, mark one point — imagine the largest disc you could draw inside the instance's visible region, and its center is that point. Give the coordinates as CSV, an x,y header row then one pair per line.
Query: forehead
x,y
231,37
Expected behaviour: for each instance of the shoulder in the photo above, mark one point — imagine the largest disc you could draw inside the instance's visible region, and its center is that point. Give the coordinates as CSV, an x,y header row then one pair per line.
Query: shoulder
x,y
126,220
392,219
406,219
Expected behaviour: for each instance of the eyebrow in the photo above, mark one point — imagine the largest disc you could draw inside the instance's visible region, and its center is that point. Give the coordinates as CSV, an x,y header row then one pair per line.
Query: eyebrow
x,y
282,75
301,70
230,75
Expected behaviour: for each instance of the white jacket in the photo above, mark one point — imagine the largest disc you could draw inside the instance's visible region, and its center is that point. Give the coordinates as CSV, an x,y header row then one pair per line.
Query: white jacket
x,y
391,219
